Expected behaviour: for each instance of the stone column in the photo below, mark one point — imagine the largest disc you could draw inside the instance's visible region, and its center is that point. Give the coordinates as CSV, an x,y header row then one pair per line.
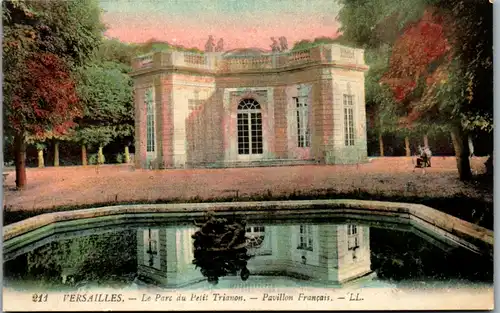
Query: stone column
x,y
280,122
140,126
166,127
326,101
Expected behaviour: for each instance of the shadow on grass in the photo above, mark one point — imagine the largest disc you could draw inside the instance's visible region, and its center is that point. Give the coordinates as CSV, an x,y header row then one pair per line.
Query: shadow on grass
x,y
477,211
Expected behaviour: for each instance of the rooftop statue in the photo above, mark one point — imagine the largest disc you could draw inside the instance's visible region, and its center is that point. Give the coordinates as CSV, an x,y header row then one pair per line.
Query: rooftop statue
x,y
220,45
283,43
210,45
275,47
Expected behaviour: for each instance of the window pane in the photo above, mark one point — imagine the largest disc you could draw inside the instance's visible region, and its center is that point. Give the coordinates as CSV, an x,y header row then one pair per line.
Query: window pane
x,y
150,122
302,122
249,128
243,133
348,121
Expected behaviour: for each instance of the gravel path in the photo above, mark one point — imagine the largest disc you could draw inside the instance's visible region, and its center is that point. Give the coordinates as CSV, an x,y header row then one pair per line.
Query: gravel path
x,y
49,187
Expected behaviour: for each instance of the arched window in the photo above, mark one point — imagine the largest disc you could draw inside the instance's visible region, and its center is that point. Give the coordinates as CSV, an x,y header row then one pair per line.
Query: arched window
x,y
258,241
255,236
249,127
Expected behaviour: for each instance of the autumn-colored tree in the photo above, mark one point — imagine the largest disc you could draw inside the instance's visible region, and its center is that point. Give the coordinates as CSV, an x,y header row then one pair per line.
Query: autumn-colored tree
x,y
440,65
432,82
420,53
374,25
43,41
44,105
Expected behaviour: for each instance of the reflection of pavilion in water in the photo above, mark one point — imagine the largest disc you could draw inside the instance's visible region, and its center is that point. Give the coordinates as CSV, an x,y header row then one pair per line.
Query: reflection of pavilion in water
x,y
330,254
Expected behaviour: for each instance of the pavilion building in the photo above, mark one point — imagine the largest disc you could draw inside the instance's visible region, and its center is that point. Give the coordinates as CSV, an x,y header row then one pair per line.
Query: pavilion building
x,y
249,107
326,255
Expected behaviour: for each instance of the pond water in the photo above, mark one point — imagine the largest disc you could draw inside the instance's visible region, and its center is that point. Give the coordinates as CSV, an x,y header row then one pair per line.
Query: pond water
x,y
239,254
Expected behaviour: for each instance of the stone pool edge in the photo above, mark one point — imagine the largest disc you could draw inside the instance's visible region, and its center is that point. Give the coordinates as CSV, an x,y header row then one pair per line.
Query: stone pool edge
x,y
416,212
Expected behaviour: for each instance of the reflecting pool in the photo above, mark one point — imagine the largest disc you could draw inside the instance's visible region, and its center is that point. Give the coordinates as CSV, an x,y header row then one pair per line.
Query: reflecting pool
x,y
214,253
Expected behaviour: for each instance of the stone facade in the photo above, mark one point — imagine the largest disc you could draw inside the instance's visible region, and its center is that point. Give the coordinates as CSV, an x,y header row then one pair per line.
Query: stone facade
x,y
164,257
310,107
331,254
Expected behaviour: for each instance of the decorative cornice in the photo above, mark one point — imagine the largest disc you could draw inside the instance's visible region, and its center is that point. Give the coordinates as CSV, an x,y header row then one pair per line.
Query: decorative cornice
x,y
171,69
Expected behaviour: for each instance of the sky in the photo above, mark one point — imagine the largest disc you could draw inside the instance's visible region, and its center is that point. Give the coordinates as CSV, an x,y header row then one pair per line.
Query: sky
x,y
242,23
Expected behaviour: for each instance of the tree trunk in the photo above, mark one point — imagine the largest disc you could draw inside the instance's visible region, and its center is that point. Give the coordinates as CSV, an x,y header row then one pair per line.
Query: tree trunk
x,y
41,162
461,147
100,156
426,141
407,146
381,145
56,153
20,160
127,155
84,155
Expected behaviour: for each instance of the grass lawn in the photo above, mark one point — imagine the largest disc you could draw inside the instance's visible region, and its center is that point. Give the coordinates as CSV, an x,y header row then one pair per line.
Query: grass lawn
x,y
392,179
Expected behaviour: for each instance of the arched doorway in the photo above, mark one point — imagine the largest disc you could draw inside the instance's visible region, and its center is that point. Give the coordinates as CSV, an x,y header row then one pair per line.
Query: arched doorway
x,y
250,141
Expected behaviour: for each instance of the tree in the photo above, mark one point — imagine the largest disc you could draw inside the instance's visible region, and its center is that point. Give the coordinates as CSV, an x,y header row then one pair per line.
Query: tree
x,y
155,45
373,25
40,142
440,69
43,41
47,103
379,106
307,44
107,92
114,50
75,261
431,76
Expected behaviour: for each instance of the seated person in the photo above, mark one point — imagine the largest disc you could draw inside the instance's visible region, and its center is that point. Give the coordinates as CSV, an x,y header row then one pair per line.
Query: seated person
x,y
424,158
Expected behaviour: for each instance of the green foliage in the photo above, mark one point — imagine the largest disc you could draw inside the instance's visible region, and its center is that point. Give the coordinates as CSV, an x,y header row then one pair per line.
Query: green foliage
x,y
365,24
66,32
120,158
93,159
107,92
75,26
40,146
302,44
467,96
307,44
113,50
154,45
89,259
370,23
473,30
94,136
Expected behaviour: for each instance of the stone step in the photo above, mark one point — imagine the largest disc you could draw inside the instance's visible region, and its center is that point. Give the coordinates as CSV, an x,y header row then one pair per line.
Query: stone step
x,y
256,163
